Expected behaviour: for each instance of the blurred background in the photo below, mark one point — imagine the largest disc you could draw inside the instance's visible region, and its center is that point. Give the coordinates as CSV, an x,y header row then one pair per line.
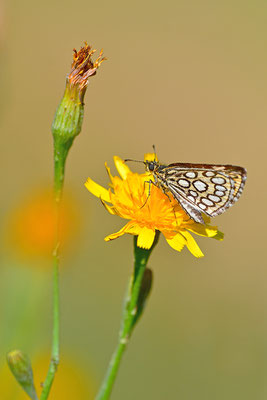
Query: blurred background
x,y
189,77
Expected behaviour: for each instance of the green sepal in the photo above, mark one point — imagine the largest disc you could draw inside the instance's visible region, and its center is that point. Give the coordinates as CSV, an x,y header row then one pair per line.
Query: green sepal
x,y
66,126
141,255
68,118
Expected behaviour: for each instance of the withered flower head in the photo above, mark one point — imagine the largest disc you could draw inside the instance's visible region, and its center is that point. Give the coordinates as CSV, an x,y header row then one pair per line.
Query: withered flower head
x,y
83,66
68,119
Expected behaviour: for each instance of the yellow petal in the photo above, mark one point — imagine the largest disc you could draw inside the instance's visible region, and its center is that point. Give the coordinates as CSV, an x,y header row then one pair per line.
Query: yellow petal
x,y
122,168
133,229
108,171
203,230
146,238
97,190
177,242
150,157
111,209
192,244
116,234
130,227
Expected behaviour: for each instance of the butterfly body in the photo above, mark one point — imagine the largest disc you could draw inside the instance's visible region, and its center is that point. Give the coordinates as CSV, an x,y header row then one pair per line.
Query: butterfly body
x,y
200,188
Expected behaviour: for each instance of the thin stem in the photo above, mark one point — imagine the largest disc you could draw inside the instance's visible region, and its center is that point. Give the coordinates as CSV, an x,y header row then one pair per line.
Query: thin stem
x,y
128,318
111,374
54,361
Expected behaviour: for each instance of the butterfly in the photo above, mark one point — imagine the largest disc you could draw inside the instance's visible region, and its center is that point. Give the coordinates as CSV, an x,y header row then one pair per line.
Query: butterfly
x,y
199,188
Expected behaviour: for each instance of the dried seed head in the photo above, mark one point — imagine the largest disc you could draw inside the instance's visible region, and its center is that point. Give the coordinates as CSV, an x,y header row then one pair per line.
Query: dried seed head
x,y
68,119
83,66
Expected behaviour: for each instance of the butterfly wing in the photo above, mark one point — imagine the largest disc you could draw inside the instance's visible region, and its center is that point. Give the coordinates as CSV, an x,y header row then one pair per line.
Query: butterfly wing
x,y
206,188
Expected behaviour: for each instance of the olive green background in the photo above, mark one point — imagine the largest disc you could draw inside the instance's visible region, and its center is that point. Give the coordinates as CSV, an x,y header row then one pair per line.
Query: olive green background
x,y
189,77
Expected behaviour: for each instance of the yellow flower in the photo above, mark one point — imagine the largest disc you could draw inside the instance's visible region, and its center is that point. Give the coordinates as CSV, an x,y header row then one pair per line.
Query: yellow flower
x,y
129,198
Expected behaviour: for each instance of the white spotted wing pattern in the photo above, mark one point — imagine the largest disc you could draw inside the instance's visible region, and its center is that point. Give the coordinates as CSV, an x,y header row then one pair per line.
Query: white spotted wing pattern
x,y
200,188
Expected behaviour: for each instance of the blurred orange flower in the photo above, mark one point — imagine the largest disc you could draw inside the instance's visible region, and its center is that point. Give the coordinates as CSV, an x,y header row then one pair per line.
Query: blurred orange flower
x,y
31,226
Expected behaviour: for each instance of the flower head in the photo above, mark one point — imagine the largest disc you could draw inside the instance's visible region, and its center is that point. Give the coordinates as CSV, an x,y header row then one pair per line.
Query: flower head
x,y
148,210
83,67
68,118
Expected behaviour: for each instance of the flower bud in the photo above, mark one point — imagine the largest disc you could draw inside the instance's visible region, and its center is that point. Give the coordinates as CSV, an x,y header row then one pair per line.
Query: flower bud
x,y
20,367
69,116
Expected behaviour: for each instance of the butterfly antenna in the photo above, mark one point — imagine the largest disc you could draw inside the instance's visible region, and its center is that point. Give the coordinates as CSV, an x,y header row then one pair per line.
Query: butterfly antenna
x,y
129,159
154,149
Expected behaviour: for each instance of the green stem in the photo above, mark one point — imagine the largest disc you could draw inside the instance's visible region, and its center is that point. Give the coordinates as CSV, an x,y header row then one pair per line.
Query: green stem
x,y
59,166
128,318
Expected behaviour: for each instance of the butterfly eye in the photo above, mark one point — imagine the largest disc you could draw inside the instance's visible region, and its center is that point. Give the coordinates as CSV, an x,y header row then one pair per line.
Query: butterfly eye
x,y
151,166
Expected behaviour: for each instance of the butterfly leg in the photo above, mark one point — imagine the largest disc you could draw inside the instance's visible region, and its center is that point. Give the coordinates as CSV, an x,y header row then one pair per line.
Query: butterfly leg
x,y
150,182
166,193
173,208
157,184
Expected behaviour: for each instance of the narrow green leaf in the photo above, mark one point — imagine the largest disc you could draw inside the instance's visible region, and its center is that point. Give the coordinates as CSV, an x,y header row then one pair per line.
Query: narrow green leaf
x,y
143,295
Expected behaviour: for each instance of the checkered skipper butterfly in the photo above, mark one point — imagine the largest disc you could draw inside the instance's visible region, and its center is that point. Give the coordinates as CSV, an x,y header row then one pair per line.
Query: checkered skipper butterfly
x,y
199,188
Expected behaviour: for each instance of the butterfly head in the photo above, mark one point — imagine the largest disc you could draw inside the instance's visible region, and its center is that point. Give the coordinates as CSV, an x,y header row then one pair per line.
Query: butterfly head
x,y
151,166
